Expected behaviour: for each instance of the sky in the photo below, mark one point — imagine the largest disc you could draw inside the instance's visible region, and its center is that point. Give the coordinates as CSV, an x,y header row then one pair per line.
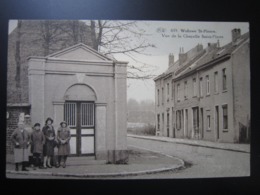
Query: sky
x,y
211,31
168,37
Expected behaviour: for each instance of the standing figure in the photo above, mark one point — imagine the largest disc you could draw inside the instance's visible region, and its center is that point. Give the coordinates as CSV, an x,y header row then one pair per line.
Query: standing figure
x,y
63,136
48,148
21,140
38,140
55,156
29,129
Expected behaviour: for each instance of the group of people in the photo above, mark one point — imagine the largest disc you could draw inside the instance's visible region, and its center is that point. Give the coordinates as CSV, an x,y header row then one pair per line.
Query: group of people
x,y
41,144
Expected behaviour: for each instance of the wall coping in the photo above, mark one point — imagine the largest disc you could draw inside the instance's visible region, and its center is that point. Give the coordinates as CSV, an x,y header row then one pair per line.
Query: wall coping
x,y
18,105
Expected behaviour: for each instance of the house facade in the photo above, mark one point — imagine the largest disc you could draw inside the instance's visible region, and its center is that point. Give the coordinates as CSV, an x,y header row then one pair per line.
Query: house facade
x,y
88,91
200,95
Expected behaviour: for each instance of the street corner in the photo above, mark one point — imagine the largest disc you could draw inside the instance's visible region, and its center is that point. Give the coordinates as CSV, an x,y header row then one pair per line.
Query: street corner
x,y
151,158
141,162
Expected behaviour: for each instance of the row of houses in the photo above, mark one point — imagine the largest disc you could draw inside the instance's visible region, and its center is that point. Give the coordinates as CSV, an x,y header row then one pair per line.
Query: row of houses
x,y
205,94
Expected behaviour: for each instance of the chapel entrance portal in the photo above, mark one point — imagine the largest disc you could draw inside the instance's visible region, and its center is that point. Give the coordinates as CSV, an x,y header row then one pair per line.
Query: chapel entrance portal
x,y
80,116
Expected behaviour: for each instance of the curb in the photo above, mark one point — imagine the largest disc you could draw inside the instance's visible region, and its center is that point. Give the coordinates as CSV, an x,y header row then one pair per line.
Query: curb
x,y
97,175
190,144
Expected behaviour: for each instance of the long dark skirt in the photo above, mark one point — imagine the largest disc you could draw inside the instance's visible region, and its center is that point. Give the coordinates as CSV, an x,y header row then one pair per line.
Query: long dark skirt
x,y
48,148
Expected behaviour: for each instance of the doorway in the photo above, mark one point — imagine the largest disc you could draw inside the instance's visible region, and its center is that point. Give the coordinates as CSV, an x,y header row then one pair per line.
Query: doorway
x,y
80,117
195,114
202,122
168,124
217,122
173,124
186,123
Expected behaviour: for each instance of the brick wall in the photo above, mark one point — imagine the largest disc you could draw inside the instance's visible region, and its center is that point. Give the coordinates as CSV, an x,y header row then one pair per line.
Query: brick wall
x,y
32,45
11,123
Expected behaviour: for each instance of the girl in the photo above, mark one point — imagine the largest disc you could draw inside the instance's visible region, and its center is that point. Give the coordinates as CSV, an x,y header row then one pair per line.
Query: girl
x,y
38,140
63,136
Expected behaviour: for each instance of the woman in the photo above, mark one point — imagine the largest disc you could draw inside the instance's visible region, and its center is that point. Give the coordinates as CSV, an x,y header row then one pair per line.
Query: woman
x,y
63,136
48,148
21,140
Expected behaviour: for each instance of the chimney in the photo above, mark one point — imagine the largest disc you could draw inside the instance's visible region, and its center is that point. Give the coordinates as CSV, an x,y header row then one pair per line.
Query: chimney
x,y
199,47
236,33
182,56
171,59
212,46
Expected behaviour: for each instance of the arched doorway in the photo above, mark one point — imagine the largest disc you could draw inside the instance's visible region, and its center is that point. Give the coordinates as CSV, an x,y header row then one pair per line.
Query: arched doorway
x,y
79,113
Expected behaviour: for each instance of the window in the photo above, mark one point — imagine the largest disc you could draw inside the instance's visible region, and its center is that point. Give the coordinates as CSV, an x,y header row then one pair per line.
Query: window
x,y
162,121
216,82
208,122
158,122
168,120
224,79
162,96
208,85
70,113
185,90
201,87
158,97
87,115
194,87
178,92
225,117
172,89
178,119
168,91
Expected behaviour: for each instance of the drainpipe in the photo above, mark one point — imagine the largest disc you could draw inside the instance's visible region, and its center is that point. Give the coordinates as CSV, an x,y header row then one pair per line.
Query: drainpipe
x,y
115,107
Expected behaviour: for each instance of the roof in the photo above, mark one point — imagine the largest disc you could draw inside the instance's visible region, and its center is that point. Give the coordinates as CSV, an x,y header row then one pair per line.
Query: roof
x,y
209,55
78,46
214,55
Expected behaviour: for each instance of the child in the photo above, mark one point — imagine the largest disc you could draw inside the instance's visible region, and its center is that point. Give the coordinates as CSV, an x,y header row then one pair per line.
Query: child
x,y
55,155
63,136
38,140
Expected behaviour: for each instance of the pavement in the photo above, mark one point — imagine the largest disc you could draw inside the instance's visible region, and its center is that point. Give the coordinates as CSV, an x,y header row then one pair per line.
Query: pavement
x,y
140,162
245,148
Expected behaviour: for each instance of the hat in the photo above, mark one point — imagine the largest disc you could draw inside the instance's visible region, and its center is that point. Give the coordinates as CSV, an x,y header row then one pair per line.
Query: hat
x,y
64,123
49,119
37,124
27,116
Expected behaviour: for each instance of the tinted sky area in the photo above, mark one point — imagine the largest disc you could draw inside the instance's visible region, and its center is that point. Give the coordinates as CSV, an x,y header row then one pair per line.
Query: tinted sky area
x,y
168,37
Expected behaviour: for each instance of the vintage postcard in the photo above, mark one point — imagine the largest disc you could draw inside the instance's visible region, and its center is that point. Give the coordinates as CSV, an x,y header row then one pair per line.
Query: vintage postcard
x,y
119,99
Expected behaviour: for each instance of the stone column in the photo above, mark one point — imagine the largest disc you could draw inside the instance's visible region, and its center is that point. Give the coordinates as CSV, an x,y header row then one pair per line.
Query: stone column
x,y
120,154
100,131
58,113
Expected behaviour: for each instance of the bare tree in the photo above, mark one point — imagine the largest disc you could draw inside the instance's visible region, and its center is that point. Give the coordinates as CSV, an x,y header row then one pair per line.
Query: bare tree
x,y
50,35
122,37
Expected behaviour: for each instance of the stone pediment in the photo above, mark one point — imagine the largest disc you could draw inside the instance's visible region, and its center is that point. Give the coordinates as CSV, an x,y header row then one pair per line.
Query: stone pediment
x,y
80,52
